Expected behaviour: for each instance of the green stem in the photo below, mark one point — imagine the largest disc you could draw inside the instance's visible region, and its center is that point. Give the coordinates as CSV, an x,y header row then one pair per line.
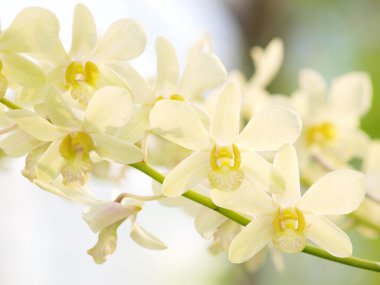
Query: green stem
x,y
242,220
9,104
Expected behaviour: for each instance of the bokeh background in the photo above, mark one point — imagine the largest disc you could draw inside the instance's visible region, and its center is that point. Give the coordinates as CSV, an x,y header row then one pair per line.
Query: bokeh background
x,y
43,239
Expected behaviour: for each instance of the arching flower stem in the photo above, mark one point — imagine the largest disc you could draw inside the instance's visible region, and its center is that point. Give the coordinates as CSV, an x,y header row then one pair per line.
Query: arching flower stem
x,y
242,220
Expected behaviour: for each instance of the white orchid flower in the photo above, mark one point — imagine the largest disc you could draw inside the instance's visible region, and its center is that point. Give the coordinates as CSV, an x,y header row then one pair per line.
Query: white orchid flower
x,y
288,219
203,71
71,139
223,154
331,119
83,69
267,63
105,217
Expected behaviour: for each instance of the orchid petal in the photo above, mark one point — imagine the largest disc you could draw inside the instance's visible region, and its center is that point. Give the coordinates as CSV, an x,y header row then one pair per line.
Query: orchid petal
x,y
35,126
207,221
246,199
177,122
35,30
269,129
328,236
106,243
336,193
251,239
351,95
203,71
167,66
84,32
141,91
225,122
144,238
22,71
50,163
19,143
125,39
267,62
58,110
110,107
187,174
104,214
116,150
261,172
286,163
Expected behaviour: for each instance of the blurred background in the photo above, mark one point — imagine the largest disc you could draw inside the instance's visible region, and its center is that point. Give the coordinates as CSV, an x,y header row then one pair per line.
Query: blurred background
x,y
44,240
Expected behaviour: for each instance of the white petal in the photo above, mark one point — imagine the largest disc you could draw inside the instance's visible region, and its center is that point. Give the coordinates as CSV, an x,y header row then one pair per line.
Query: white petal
x,y
251,239
116,149
34,30
286,163
268,62
145,238
84,32
336,193
110,107
177,122
167,66
207,221
269,129
312,83
351,94
125,39
22,71
49,165
81,195
31,161
137,126
328,236
5,122
187,174
372,161
104,214
141,91
225,122
106,244
203,71
19,143
246,199
261,172
58,111
35,126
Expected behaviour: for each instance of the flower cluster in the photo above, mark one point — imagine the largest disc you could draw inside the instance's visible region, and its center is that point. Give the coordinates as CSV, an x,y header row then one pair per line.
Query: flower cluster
x,y
74,113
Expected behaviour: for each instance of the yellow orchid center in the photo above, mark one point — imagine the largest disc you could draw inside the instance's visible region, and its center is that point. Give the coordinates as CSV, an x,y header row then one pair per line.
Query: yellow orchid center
x,y
226,174
3,82
75,149
289,226
321,134
176,97
81,79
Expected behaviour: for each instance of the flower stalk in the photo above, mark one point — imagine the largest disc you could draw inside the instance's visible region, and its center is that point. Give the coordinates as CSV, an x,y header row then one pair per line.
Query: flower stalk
x,y
242,220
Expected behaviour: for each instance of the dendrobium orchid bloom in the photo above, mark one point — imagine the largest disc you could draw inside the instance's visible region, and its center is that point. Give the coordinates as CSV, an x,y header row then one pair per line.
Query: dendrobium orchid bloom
x,y
68,140
85,68
202,72
222,154
288,219
331,135
267,63
105,217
